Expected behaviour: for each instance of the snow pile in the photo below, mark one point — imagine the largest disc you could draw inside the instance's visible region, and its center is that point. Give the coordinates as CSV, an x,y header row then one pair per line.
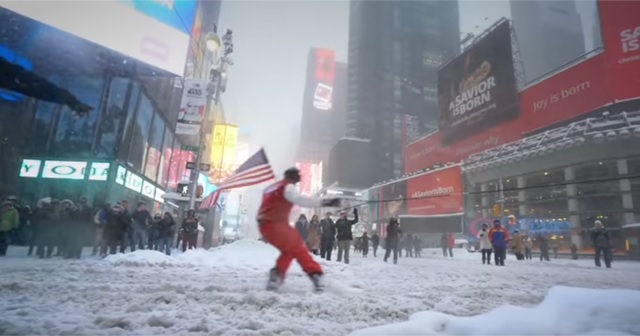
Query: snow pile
x,y
141,258
564,311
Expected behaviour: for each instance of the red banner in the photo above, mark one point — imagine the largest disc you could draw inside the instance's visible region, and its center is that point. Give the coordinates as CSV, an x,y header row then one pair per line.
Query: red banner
x,y
620,27
435,193
574,91
427,152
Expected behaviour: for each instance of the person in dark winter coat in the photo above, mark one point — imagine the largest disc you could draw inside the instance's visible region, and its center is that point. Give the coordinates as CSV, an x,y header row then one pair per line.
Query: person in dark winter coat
x,y
365,244
302,226
327,236
44,223
392,240
375,241
344,234
115,230
601,243
80,222
154,231
141,220
408,246
544,248
166,230
417,246
189,230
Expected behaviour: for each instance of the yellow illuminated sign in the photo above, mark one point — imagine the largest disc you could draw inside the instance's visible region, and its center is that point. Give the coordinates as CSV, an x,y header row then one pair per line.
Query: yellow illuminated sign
x,y
223,150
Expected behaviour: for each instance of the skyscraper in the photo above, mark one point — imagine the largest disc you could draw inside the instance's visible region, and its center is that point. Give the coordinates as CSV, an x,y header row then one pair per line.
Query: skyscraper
x,y
395,49
549,34
323,110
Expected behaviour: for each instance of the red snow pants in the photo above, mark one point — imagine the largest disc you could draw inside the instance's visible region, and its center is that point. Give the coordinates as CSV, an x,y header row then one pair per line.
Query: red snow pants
x,y
288,241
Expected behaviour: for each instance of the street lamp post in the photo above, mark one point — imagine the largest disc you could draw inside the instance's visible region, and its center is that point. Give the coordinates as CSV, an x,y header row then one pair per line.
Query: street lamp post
x,y
217,74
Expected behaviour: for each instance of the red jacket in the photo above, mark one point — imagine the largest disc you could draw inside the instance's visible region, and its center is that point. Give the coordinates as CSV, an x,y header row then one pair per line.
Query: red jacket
x,y
275,208
451,241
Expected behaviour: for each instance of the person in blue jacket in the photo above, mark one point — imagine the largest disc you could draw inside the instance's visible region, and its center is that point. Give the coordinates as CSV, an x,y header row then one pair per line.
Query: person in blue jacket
x,y
499,237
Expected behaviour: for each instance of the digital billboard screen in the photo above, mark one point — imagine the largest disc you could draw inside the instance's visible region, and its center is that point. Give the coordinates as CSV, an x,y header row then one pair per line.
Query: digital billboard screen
x,y
324,78
154,32
477,90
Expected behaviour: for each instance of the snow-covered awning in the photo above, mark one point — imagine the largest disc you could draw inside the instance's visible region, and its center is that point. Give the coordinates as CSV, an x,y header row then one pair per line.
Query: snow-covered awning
x,y
617,127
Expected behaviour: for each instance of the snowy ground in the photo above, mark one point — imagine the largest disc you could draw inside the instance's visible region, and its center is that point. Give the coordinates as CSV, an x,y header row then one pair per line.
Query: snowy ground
x,y
220,292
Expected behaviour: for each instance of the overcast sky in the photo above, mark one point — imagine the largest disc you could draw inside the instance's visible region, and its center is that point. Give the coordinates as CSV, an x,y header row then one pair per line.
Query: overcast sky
x,y
272,39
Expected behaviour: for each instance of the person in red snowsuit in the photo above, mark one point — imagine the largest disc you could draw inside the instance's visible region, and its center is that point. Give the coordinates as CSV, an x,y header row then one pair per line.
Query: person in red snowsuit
x,y
273,218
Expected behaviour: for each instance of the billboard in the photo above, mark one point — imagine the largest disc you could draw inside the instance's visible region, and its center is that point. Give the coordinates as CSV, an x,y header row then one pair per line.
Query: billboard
x,y
306,177
435,193
620,27
64,170
393,200
477,90
192,106
223,151
324,78
154,32
574,91
429,151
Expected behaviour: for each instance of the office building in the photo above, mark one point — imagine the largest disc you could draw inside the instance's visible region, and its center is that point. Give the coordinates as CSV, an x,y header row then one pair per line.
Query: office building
x,y
395,49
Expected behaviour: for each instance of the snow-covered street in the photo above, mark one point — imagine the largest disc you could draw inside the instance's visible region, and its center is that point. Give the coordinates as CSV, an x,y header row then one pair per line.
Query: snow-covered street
x,y
221,292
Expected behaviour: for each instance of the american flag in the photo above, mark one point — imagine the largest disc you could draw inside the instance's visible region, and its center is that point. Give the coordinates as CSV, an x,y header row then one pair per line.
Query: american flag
x,y
255,170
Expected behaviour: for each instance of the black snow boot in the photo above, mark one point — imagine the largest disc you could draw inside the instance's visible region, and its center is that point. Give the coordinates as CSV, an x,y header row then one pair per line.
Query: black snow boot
x,y
318,282
275,280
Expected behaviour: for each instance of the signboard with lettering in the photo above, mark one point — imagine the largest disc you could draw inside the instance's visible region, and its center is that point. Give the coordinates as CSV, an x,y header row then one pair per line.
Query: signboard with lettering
x,y
158,195
133,182
30,168
99,171
69,170
148,189
65,170
121,175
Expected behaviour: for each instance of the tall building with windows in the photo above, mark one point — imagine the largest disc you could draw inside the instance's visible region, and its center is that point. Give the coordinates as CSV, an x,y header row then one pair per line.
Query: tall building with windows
x,y
324,106
125,148
549,35
395,49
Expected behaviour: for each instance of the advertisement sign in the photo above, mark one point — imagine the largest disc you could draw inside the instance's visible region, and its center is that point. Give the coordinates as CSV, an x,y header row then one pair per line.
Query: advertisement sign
x,y
121,175
305,177
477,90
435,193
99,171
574,91
158,195
325,73
427,152
393,200
69,170
148,189
620,28
30,168
223,150
154,32
14,58
133,182
192,105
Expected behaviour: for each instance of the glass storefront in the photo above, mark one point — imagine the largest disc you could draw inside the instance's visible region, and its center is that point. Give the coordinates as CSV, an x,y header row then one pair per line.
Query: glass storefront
x,y
130,103
562,202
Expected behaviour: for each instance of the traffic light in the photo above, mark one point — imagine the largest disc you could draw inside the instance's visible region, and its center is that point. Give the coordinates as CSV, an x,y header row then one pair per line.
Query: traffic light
x,y
199,191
